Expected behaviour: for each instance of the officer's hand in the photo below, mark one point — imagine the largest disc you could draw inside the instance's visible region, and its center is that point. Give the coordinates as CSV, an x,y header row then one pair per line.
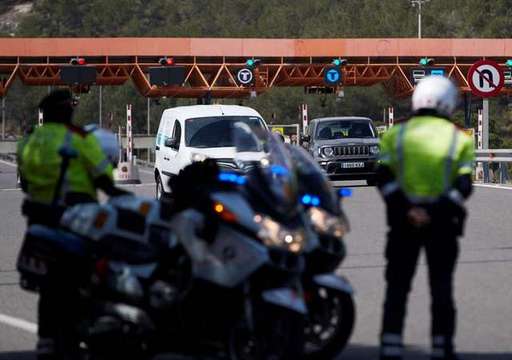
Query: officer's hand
x,y
418,217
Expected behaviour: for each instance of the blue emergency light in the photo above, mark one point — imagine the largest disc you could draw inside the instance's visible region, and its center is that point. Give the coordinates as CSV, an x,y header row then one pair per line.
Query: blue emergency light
x,y
345,192
231,178
437,72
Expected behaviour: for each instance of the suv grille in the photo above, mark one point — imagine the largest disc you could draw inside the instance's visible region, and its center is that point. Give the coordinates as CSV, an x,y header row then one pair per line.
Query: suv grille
x,y
351,150
226,164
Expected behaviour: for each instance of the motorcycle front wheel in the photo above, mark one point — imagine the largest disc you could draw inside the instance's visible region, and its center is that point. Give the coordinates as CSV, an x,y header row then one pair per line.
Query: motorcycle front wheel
x,y
278,335
329,323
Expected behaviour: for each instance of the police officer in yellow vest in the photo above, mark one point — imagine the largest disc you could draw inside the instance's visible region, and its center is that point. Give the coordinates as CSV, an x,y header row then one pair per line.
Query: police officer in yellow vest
x,y
60,165
424,176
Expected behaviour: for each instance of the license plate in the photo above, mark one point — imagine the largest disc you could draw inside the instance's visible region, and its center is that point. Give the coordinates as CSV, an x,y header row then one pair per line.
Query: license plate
x,y
352,165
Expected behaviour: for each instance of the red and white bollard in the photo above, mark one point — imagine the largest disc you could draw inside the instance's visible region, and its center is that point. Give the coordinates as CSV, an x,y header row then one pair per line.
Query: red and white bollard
x,y
127,171
304,117
40,118
391,117
129,134
480,144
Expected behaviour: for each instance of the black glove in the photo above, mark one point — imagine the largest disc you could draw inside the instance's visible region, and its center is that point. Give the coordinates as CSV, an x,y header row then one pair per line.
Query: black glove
x,y
449,211
191,181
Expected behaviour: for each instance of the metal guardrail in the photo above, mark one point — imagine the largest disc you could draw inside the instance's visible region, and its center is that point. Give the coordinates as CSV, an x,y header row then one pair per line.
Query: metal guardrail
x,y
139,142
494,155
493,165
8,146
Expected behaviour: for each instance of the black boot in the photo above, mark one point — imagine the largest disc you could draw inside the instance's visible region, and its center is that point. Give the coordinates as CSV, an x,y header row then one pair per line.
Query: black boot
x,y
46,349
391,346
443,349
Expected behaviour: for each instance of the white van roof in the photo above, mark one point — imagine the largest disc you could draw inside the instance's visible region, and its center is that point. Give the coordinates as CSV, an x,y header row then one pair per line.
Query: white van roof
x,y
196,111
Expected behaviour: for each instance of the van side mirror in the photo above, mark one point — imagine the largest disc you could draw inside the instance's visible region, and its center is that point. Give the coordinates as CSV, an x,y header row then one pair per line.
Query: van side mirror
x,y
172,143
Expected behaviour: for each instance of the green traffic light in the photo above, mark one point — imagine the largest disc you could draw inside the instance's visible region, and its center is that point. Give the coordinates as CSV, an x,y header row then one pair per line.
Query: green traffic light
x,y
426,61
250,63
336,62
509,63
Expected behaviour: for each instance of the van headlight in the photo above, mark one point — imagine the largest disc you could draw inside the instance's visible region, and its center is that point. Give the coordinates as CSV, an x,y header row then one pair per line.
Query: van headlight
x,y
196,157
327,224
328,151
274,234
374,149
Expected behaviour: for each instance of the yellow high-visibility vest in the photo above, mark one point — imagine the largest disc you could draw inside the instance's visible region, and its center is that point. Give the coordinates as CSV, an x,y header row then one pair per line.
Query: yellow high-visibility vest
x,y
426,154
41,162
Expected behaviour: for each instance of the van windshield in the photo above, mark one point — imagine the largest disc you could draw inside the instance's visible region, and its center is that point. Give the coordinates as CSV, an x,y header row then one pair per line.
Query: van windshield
x,y
215,131
340,129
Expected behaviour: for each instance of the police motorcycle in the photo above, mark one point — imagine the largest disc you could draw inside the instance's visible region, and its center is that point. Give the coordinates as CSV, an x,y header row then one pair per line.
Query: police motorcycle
x,y
94,260
329,296
104,259
245,292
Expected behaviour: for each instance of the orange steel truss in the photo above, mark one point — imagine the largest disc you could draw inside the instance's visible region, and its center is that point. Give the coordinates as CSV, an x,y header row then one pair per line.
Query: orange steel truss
x,y
211,64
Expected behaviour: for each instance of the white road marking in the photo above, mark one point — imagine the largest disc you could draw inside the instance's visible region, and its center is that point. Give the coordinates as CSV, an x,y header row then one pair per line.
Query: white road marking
x,y
489,186
11,189
18,323
8,163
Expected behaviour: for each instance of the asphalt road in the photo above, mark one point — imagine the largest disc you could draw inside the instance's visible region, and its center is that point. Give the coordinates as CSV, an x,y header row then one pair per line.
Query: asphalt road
x,y
483,280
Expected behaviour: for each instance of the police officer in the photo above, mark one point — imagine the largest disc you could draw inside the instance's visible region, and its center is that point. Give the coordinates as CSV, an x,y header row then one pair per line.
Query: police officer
x,y
424,176
61,165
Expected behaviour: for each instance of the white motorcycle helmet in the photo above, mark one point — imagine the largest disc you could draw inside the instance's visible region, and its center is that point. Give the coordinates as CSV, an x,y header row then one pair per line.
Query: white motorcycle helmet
x,y
436,93
108,142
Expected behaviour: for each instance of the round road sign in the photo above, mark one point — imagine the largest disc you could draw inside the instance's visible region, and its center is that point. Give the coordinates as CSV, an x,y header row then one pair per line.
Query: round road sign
x,y
332,76
485,78
244,76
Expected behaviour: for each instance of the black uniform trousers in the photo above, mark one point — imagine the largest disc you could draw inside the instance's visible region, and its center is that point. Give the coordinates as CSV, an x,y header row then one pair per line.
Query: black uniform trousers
x,y
402,252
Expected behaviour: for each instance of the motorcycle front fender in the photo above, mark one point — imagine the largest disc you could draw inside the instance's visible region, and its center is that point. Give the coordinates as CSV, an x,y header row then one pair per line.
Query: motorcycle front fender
x,y
287,298
335,282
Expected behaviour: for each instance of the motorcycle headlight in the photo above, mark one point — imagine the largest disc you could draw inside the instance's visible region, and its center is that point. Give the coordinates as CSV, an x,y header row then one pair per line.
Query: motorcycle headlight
x,y
374,149
328,151
327,224
275,235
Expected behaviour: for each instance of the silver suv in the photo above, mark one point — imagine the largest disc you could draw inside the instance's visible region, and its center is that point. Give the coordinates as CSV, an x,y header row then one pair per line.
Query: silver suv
x,y
345,147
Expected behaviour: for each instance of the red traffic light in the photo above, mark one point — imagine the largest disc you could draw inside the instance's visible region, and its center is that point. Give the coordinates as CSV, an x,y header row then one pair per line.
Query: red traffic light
x,y
165,61
77,61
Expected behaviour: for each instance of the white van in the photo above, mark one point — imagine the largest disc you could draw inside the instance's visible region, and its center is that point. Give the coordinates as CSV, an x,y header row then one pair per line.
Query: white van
x,y
204,130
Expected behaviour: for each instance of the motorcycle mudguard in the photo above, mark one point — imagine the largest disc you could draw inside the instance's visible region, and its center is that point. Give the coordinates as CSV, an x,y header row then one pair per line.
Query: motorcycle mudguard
x,y
287,298
226,262
231,259
335,282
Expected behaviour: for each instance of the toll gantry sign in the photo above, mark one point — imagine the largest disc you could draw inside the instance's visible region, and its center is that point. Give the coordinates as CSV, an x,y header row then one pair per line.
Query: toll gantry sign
x,y
245,76
332,76
486,78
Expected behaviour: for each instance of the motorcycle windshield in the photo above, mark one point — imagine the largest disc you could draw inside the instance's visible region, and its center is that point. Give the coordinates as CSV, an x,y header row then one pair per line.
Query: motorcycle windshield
x,y
315,188
269,165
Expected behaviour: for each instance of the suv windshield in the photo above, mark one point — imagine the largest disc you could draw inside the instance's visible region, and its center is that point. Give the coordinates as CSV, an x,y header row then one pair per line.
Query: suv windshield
x,y
340,129
209,132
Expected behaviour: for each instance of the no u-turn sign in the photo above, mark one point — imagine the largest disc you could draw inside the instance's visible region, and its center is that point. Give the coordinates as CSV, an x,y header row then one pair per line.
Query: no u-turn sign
x,y
485,78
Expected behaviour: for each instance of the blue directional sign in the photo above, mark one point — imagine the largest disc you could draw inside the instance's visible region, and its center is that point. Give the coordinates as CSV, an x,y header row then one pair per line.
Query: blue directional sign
x,y
332,76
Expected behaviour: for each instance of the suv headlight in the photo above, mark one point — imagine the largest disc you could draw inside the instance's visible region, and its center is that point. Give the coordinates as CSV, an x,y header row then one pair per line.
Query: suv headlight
x,y
328,151
274,234
374,149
